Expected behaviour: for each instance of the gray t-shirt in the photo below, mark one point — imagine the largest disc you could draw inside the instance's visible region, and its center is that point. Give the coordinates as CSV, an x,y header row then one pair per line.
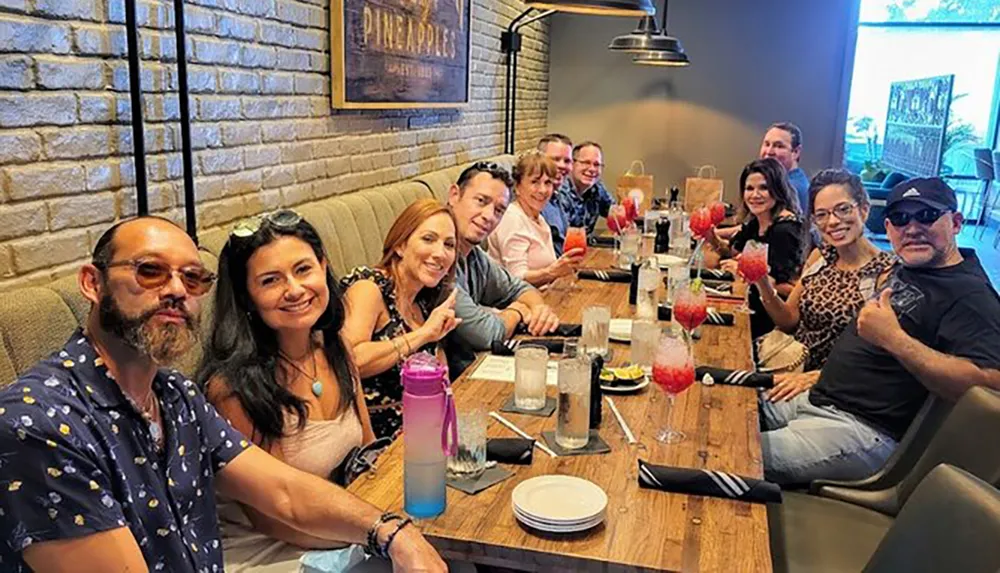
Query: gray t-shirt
x,y
483,285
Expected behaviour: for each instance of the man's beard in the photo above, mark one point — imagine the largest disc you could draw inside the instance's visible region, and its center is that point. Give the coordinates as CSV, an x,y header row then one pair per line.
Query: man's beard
x,y
162,343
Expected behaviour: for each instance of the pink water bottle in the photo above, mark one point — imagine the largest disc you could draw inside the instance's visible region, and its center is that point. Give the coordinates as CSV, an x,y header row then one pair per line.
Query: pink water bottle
x,y
429,434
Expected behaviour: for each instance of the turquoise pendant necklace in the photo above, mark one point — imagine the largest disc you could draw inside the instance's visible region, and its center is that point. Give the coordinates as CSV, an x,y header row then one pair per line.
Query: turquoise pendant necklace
x,y
317,384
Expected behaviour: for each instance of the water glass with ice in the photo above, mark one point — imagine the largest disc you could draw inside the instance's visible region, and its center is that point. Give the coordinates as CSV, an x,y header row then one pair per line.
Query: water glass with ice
x,y
629,251
644,340
530,364
469,460
596,322
573,421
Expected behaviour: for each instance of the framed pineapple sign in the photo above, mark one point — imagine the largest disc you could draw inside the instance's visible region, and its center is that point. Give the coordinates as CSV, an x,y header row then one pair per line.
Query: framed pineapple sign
x,y
392,54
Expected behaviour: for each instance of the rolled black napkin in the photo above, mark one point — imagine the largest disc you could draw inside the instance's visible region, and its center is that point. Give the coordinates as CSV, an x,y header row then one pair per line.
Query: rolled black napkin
x,y
715,274
723,286
707,482
601,241
510,450
563,330
736,377
508,347
605,275
713,317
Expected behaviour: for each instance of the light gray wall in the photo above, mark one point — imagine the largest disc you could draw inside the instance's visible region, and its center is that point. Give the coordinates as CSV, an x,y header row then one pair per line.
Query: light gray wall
x,y
754,62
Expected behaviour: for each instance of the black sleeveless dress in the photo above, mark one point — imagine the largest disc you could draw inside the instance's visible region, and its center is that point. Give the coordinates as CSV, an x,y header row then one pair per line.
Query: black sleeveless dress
x,y
384,391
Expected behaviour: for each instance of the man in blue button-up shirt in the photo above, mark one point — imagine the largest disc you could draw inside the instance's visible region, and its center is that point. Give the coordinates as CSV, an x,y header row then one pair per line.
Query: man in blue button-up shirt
x,y
110,463
559,149
587,199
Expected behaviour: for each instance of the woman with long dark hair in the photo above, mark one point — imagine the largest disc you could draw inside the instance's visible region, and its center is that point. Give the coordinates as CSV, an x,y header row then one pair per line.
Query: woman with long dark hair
x,y
405,304
769,211
276,367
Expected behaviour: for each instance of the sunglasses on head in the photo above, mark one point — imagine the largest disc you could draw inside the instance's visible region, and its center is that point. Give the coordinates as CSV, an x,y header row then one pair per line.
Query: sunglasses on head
x,y
152,274
924,217
282,219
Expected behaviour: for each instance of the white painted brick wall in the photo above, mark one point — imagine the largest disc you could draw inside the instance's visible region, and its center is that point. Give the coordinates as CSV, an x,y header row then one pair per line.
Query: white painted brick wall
x,y
263,131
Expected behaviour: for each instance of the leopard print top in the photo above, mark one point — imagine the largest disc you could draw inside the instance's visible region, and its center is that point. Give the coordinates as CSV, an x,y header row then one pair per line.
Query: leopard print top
x,y
831,298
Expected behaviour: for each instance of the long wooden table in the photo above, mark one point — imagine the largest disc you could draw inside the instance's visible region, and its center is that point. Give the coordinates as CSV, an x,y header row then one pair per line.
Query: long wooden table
x,y
645,530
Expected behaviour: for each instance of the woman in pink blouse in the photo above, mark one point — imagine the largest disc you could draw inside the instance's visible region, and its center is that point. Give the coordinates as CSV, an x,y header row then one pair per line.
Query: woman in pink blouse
x,y
522,242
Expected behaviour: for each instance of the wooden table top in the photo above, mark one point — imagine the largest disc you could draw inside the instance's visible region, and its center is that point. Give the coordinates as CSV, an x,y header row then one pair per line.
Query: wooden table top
x,y
645,530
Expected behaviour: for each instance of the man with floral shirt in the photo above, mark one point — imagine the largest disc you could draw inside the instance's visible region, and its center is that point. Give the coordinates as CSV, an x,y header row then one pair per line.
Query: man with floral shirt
x,y
110,463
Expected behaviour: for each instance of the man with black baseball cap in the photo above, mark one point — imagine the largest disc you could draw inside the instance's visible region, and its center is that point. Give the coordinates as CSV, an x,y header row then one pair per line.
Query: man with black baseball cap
x,y
934,327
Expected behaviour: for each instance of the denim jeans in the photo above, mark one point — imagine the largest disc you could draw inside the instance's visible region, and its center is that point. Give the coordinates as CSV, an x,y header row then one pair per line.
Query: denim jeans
x,y
804,442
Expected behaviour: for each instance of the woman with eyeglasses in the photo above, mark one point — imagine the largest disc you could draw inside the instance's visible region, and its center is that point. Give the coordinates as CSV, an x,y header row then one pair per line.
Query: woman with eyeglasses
x,y
769,211
406,304
277,368
522,241
839,276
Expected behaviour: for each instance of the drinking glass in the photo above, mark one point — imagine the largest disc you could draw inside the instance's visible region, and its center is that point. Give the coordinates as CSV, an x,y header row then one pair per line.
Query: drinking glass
x,y
646,303
752,267
469,460
673,373
573,421
594,335
678,276
690,310
645,338
629,251
530,364
576,238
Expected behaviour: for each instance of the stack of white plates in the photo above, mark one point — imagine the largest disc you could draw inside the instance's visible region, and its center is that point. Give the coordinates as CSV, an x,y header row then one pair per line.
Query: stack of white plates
x,y
559,504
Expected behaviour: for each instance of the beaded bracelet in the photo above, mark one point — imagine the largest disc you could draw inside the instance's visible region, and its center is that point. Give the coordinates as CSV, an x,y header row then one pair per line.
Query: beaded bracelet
x,y
372,546
388,541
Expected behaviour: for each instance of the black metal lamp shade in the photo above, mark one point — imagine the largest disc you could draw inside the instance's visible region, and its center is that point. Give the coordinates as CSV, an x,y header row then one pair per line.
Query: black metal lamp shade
x,y
640,39
672,54
596,7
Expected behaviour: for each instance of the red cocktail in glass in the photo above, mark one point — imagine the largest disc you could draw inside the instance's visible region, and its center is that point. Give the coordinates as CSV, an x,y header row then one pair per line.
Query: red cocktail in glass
x,y
576,238
673,373
690,309
617,219
718,210
752,267
701,223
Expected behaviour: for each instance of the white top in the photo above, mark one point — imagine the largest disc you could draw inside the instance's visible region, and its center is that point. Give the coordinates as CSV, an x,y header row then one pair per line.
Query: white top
x,y
520,243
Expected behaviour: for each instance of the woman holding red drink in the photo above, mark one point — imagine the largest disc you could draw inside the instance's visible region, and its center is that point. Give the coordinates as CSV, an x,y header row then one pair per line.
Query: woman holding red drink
x,y
838,277
522,242
768,212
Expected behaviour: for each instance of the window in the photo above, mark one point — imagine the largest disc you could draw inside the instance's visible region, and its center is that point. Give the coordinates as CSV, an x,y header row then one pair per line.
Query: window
x,y
912,39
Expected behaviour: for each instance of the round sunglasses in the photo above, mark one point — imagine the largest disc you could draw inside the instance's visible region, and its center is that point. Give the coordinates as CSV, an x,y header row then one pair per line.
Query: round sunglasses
x,y
152,275
924,216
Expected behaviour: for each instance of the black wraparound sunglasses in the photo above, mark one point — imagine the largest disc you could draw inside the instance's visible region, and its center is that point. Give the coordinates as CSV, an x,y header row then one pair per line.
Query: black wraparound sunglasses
x,y
924,216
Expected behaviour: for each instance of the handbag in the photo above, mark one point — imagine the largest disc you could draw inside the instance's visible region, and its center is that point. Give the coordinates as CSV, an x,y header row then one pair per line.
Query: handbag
x,y
358,461
778,352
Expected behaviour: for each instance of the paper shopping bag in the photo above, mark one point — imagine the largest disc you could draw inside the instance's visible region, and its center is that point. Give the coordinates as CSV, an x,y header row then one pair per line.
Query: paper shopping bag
x,y
702,191
636,179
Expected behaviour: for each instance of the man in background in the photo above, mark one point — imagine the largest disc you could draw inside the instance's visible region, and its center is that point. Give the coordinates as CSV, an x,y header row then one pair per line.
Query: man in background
x,y
783,142
588,198
559,149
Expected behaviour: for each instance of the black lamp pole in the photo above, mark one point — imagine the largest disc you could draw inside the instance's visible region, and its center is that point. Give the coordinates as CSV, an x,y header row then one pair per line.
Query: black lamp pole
x,y
135,91
510,43
185,111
